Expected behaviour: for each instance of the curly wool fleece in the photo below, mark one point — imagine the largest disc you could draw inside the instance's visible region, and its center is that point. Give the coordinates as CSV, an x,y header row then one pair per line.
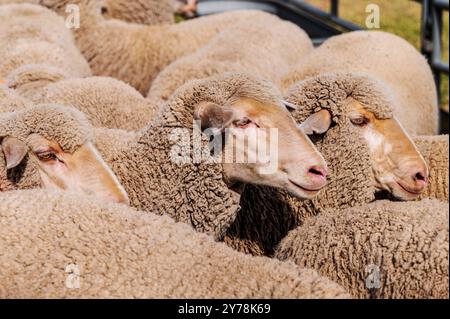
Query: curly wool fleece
x,y
10,101
66,126
435,151
194,193
107,102
32,34
123,253
405,242
268,214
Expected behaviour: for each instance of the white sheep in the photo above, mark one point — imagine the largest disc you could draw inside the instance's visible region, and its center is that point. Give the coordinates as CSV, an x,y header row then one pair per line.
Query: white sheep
x,y
51,146
136,54
342,112
256,49
106,102
381,250
32,34
388,58
160,167
63,245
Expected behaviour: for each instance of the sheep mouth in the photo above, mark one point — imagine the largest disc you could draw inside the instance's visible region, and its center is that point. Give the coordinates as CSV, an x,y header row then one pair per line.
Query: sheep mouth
x,y
408,189
308,191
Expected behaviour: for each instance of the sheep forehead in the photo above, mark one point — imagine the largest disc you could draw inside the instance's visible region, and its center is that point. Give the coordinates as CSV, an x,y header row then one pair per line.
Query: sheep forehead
x,y
65,126
331,91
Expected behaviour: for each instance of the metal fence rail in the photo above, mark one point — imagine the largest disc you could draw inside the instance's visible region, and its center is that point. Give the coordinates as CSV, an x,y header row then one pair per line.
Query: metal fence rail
x,y
431,43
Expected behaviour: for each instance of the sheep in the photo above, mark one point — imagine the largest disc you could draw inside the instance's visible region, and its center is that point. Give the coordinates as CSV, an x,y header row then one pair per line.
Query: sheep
x,y
388,58
381,250
31,34
136,54
164,169
148,12
42,141
106,102
435,151
257,50
29,79
10,101
104,250
358,170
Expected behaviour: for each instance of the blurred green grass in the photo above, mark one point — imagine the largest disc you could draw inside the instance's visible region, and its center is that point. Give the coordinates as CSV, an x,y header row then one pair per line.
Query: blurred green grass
x,y
401,17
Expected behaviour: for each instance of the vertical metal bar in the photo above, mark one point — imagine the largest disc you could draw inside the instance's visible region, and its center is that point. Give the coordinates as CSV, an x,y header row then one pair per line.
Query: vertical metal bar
x,y
335,8
436,17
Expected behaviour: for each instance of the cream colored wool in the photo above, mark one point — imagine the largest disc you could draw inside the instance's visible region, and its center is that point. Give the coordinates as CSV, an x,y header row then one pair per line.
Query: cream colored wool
x,y
10,101
107,102
406,241
264,52
435,151
31,34
136,54
123,253
148,12
388,58
66,126
196,194
29,79
267,214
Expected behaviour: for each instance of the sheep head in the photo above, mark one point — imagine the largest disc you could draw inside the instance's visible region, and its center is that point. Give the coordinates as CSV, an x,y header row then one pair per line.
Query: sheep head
x,y
364,106
258,140
50,146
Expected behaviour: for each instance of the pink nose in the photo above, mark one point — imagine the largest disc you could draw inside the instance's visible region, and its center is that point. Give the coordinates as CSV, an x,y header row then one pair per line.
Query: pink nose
x,y
318,175
420,179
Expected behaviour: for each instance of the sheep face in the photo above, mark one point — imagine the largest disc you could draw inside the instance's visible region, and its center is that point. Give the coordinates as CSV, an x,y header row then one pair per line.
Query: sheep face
x,y
397,165
82,171
264,146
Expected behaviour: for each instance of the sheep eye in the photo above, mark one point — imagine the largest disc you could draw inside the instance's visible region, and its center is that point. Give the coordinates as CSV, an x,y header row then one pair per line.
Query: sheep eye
x,y
359,121
46,156
104,10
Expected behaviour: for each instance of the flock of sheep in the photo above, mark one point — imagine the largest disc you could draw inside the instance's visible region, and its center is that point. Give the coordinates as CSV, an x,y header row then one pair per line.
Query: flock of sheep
x,y
357,206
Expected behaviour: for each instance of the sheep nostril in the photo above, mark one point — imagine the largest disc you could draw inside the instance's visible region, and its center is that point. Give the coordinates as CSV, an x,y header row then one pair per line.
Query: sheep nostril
x,y
318,171
420,178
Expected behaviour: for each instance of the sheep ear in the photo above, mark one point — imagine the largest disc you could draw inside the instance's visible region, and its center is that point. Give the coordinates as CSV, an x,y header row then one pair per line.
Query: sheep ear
x,y
318,123
14,151
291,107
213,116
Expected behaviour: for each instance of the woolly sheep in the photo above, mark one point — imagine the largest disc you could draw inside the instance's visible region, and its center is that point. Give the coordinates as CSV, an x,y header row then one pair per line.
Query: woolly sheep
x,y
388,58
435,151
51,146
202,193
196,194
382,250
257,50
106,102
29,79
150,12
10,101
137,11
135,54
31,34
123,253
268,214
